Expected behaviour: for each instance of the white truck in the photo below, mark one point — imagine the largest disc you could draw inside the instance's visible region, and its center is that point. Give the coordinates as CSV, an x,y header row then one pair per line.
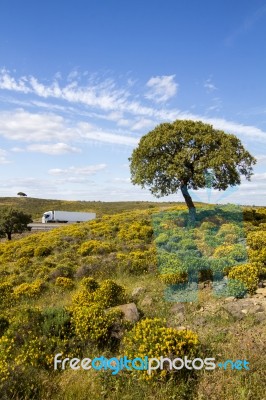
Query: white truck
x,y
66,216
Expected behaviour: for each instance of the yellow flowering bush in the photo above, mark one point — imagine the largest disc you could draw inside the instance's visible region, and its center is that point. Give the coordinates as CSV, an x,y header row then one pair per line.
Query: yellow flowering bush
x,y
107,294
93,323
247,276
257,249
64,283
42,251
151,337
173,278
136,231
103,228
95,247
27,251
7,346
6,291
229,233
23,262
29,290
136,262
90,284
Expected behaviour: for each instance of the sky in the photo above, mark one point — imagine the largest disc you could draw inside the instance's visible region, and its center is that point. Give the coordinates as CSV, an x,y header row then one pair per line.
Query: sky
x,y
82,81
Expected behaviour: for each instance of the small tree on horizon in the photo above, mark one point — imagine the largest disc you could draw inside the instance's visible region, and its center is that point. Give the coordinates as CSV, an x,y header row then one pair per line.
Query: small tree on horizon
x,y
13,221
184,155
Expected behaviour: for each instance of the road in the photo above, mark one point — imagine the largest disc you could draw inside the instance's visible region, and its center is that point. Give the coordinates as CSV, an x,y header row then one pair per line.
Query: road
x,y
38,226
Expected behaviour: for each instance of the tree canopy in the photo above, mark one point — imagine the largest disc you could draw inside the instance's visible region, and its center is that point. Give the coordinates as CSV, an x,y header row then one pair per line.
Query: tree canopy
x,y
182,154
13,221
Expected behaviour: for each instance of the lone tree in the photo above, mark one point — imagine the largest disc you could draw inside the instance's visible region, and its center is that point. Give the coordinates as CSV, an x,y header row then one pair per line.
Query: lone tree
x,y
186,154
13,221
21,194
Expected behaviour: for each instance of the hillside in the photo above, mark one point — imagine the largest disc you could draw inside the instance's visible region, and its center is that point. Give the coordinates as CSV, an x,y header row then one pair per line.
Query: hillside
x,y
112,287
36,207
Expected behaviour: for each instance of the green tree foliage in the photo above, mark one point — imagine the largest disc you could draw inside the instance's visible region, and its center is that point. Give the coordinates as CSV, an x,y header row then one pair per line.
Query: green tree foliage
x,y
188,154
13,221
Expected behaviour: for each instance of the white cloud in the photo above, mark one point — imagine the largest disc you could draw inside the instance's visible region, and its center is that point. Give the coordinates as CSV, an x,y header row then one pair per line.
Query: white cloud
x,y
21,125
114,104
24,184
3,155
122,180
143,123
88,170
7,82
162,88
209,85
53,148
91,133
248,131
17,150
33,127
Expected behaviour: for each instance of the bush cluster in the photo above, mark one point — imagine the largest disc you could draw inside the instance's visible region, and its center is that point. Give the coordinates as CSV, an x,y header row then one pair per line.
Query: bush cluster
x,y
152,338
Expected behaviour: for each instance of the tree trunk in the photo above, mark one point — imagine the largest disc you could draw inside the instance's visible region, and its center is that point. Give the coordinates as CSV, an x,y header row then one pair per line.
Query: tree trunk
x,y
9,235
189,202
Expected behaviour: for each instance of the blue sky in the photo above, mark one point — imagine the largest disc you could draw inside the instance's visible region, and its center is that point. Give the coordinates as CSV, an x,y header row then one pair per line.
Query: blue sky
x,y
82,81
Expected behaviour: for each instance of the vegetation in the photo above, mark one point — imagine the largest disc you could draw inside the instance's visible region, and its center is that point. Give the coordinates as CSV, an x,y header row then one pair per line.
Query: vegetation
x,y
13,221
61,292
188,154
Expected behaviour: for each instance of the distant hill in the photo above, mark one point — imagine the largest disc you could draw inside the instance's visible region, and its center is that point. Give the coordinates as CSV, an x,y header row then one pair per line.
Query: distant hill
x,y
36,207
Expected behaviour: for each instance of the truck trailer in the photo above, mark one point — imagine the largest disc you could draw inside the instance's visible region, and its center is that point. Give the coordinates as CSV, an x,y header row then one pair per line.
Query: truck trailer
x,y
66,216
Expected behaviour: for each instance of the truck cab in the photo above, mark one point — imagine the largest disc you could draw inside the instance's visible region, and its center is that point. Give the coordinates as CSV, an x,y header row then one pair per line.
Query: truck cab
x,y
47,217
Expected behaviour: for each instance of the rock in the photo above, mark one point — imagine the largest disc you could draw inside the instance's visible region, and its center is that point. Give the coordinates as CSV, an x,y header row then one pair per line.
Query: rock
x,y
138,291
178,308
228,299
200,321
130,312
201,285
180,316
147,301
261,291
260,316
240,308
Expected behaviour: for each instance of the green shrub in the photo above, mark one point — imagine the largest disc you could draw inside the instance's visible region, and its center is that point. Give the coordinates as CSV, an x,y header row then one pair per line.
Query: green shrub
x,y
56,322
